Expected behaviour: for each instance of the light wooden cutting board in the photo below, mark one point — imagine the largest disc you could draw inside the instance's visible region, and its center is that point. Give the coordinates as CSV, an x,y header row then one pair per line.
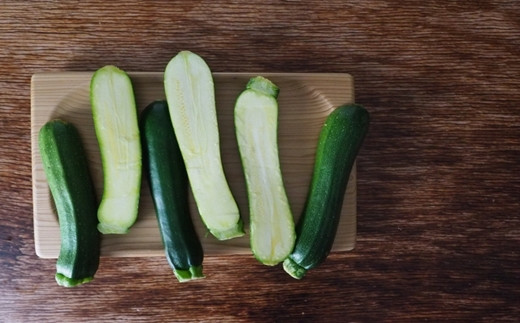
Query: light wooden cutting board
x,y
305,101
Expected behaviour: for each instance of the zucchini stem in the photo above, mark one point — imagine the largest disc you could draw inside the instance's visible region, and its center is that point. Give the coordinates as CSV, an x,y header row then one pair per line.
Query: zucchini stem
x,y
194,272
293,269
264,86
65,281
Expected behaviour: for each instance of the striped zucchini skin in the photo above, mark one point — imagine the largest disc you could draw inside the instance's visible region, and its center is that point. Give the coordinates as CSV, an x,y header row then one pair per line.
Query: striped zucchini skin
x,y
168,183
340,140
68,176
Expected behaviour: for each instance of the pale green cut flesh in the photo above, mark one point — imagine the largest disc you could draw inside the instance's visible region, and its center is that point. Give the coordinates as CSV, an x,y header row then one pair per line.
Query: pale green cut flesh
x,y
271,219
191,99
117,131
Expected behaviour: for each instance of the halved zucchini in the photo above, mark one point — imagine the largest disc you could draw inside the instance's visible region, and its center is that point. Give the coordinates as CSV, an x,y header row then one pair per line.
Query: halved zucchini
x,y
117,131
191,99
271,219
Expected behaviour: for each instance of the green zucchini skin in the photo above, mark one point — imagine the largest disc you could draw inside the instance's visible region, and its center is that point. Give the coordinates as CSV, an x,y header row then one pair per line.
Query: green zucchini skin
x,y
66,169
340,140
168,183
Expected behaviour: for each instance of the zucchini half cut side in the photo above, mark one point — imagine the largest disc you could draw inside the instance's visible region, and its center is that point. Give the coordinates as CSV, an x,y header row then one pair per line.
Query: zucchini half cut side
x,y
117,131
190,94
256,125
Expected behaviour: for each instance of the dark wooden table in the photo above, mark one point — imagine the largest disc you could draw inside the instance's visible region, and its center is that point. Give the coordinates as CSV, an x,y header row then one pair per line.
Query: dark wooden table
x,y
438,176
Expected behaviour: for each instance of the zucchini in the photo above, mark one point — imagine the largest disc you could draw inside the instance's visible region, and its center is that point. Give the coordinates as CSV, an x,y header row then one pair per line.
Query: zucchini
x,y
271,220
70,183
117,131
190,94
340,140
169,188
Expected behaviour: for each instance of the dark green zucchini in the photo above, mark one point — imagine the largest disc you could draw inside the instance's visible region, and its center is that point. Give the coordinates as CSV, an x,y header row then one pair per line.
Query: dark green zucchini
x,y
71,186
340,140
168,182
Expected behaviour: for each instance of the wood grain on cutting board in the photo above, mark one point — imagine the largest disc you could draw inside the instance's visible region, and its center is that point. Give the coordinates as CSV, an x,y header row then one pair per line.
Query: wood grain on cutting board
x,y
305,101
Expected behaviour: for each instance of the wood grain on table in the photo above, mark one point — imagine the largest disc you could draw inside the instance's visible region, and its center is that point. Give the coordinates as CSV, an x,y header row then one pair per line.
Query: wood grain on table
x,y
437,178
